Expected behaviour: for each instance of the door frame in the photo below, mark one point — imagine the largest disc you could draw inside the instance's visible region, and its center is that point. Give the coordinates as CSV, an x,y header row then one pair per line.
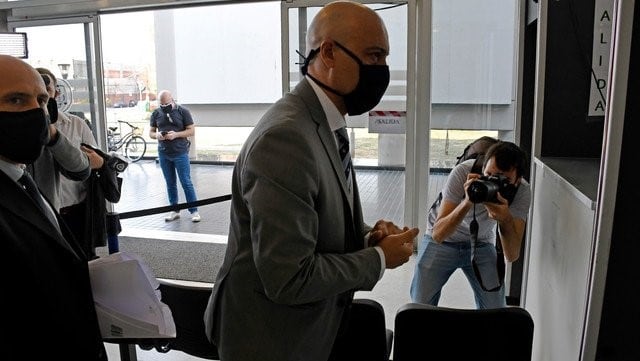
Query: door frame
x,y
93,54
418,97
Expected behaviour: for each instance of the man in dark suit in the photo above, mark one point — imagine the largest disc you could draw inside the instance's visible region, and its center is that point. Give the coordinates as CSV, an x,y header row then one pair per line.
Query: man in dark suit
x,y
298,247
46,288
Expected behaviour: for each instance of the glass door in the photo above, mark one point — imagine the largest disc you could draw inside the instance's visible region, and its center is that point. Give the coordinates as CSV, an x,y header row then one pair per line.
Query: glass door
x,y
382,140
66,48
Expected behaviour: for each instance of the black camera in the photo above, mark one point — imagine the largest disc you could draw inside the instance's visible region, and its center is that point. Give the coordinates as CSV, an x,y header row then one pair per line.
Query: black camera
x,y
486,188
114,161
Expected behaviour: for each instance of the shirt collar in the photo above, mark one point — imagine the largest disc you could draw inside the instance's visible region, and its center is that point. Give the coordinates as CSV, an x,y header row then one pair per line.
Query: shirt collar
x,y
334,118
63,118
13,171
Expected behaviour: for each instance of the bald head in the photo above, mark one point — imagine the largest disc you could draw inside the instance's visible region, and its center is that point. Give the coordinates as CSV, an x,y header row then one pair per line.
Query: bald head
x,y
343,38
346,22
21,86
22,92
165,97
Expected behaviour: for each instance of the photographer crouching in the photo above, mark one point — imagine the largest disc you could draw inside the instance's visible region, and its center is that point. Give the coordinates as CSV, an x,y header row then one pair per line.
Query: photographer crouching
x,y
479,224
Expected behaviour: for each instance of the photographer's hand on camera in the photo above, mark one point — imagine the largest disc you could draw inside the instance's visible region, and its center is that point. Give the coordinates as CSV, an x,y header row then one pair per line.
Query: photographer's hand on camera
x,y
112,161
96,161
471,177
498,211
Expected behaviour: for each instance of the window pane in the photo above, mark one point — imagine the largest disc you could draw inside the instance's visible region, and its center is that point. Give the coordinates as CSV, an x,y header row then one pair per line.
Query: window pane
x,y
473,74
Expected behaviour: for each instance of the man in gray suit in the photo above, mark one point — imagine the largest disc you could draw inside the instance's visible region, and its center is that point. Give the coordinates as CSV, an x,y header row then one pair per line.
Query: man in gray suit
x,y
298,247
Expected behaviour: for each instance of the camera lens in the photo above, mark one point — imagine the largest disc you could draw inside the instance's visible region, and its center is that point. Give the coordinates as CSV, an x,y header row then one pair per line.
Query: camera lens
x,y
482,191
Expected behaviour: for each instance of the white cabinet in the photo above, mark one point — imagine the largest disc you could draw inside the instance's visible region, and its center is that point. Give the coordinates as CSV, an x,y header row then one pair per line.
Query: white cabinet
x,y
580,279
561,245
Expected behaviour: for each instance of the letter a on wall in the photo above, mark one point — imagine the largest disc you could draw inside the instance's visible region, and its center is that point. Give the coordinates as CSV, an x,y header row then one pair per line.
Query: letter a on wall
x,y
602,25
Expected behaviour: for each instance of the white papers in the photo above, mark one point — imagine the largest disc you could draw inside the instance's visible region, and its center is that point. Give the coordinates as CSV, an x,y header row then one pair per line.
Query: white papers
x,y
127,299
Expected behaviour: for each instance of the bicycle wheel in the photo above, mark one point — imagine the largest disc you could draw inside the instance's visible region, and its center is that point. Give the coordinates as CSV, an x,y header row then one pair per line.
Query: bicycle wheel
x,y
135,148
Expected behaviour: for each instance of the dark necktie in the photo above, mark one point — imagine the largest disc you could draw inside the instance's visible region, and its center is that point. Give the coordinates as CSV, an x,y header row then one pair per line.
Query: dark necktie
x,y
345,155
30,186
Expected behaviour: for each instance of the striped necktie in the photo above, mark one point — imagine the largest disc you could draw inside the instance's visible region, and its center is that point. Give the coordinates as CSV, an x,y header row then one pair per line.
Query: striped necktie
x,y
345,155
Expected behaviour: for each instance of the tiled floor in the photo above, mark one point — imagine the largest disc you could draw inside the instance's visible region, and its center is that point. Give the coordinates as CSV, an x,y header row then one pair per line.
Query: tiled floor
x,y
382,195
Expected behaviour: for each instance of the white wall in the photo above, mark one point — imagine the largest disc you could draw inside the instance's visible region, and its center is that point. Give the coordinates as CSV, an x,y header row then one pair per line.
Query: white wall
x,y
226,54
473,51
230,55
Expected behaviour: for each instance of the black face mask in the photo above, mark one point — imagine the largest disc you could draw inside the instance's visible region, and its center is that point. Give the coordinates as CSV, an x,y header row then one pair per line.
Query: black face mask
x,y
28,136
166,108
52,108
52,105
372,83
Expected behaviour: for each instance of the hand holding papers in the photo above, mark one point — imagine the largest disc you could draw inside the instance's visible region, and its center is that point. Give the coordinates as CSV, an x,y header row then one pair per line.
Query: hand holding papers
x,y
127,300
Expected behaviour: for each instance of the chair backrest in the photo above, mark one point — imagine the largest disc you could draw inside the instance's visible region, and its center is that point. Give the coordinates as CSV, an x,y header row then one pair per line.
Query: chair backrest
x,y
424,332
366,336
187,305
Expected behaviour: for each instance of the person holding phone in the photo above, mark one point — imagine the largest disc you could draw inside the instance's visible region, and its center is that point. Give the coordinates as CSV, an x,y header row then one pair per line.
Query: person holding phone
x,y
172,125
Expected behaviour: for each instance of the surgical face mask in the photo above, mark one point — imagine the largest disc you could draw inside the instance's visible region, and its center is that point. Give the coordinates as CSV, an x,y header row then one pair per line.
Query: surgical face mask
x,y
372,83
29,133
166,108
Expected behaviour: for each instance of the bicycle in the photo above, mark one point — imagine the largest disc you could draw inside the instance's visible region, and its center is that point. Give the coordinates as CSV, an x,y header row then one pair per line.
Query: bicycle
x,y
134,144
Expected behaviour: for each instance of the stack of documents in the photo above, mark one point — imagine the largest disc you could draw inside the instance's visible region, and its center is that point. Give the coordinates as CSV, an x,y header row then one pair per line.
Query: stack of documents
x,y
127,299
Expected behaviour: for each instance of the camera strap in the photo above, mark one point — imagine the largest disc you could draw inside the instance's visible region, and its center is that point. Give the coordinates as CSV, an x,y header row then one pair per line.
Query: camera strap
x,y
500,266
478,163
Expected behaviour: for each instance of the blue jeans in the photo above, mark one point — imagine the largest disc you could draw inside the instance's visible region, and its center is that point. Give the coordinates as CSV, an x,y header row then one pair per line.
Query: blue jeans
x,y
436,262
177,164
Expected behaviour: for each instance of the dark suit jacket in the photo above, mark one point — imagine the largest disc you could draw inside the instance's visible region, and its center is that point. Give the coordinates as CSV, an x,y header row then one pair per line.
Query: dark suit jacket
x,y
103,185
46,293
295,252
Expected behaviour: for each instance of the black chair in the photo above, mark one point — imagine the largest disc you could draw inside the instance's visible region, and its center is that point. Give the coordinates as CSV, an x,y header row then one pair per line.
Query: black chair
x,y
187,305
366,336
424,332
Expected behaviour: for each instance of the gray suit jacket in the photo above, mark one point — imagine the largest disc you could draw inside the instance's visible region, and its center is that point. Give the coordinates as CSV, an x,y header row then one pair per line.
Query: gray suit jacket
x,y
296,245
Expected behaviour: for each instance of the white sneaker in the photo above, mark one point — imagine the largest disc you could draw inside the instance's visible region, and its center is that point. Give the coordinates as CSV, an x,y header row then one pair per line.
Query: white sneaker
x,y
172,216
195,217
